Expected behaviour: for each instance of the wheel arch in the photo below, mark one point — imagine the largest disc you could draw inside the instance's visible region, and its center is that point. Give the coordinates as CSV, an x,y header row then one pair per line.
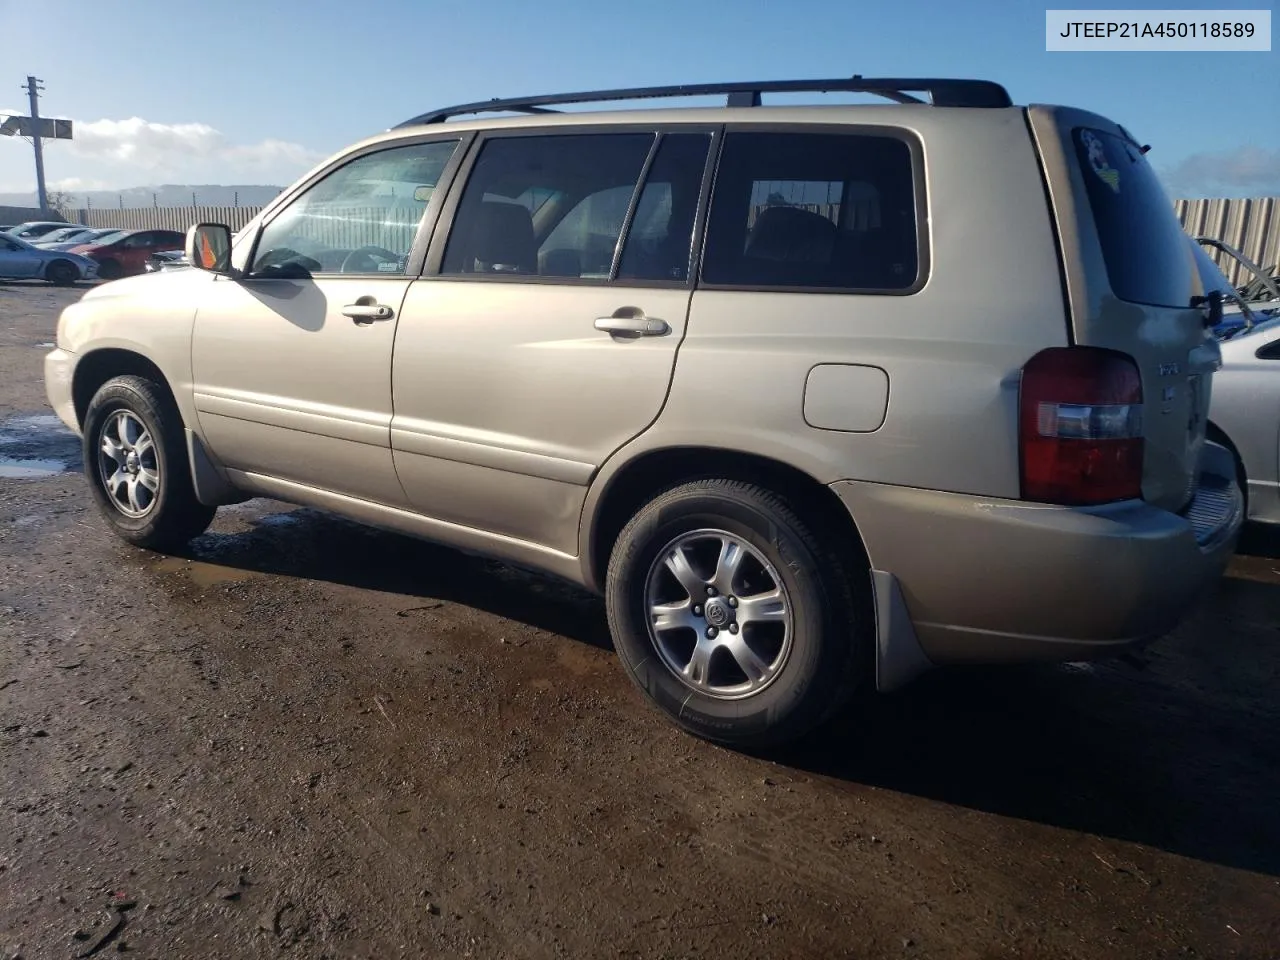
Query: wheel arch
x,y
48,267
98,366
1215,434
647,474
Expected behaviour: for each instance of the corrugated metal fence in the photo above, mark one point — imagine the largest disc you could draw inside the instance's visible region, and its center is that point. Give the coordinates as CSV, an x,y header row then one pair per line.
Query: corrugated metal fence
x,y
1250,225
162,218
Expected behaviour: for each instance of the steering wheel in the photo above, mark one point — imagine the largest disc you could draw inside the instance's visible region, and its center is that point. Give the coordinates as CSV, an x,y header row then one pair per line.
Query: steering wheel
x,y
371,254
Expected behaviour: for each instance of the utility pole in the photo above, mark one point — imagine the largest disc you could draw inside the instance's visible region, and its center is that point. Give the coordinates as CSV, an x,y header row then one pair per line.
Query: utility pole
x,y
33,94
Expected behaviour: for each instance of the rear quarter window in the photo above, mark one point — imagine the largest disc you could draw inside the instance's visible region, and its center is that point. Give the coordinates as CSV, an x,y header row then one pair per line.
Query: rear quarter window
x,y
814,211
1143,244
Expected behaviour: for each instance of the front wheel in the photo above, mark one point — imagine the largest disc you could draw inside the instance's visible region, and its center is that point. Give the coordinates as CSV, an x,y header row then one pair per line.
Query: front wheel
x,y
62,273
733,616
109,270
136,464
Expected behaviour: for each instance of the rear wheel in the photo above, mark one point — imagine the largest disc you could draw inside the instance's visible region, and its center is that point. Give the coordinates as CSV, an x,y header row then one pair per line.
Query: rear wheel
x,y
109,269
135,461
733,616
62,273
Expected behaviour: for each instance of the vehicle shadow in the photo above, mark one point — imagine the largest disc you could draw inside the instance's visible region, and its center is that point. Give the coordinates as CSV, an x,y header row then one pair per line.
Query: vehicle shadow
x,y
1179,752
318,546
1182,754
1260,540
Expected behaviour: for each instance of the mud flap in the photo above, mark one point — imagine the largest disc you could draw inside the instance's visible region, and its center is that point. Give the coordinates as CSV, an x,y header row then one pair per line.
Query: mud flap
x,y
208,481
899,659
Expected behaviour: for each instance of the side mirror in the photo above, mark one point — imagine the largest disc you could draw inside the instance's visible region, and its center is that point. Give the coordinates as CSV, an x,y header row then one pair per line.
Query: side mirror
x,y
208,247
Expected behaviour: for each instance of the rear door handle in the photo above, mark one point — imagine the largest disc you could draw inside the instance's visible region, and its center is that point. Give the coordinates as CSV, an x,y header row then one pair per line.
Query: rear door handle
x,y
366,310
640,326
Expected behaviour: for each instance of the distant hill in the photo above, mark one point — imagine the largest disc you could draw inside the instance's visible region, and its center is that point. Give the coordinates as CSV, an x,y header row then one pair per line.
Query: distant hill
x,y
168,195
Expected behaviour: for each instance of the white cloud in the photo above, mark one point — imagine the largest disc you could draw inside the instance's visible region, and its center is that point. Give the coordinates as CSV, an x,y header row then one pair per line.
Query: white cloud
x,y
186,153
1245,172
115,154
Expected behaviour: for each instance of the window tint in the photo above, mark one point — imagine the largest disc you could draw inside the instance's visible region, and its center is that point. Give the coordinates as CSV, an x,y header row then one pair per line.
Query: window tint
x,y
658,243
361,218
1143,244
813,210
546,206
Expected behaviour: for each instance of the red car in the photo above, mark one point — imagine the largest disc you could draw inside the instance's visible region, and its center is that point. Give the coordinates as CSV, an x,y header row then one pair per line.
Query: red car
x,y
125,252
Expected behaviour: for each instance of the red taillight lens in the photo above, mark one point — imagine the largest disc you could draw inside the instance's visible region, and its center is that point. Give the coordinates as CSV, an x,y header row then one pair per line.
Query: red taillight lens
x,y
1080,425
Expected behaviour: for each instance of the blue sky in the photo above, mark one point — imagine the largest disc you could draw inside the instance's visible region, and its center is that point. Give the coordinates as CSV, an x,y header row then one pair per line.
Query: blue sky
x,y
250,91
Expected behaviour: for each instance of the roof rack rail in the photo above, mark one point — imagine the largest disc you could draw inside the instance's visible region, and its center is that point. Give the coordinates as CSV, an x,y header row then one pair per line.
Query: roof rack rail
x,y
942,93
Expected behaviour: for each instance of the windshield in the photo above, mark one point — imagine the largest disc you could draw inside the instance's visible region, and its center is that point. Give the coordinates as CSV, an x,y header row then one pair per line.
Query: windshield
x,y
111,237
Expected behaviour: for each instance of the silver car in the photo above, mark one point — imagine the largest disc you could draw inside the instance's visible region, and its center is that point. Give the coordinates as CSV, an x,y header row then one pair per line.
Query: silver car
x,y
1245,415
20,260
755,373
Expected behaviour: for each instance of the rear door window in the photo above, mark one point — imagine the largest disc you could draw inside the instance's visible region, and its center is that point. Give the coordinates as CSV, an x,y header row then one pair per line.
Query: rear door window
x,y
1143,244
824,211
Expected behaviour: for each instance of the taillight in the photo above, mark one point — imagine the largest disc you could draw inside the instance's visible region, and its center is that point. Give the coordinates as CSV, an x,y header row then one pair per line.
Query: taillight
x,y
1080,426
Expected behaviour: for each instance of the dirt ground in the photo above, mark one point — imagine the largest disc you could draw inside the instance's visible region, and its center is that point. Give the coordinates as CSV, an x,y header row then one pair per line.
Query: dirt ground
x,y
304,738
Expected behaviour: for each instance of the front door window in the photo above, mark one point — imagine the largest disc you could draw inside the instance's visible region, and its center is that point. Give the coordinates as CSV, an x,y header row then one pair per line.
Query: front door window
x,y
361,219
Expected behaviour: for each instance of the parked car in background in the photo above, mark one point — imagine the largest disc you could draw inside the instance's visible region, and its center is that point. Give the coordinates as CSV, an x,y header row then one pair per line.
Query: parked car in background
x,y
63,235
166,260
654,351
1261,289
20,260
125,252
1236,313
34,229
93,235
1244,415
6,227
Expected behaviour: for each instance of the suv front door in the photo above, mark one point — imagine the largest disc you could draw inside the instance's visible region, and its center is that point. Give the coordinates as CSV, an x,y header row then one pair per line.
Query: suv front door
x,y
544,334
292,362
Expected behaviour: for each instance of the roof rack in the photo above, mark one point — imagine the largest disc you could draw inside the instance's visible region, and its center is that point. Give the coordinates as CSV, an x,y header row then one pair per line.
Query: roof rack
x,y
942,93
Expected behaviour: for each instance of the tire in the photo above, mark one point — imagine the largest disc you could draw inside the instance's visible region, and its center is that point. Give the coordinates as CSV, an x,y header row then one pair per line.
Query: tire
x,y
143,485
110,270
815,647
62,273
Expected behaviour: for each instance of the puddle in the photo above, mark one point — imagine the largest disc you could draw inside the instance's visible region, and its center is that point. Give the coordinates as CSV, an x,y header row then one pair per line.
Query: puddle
x,y
204,574
36,445
13,468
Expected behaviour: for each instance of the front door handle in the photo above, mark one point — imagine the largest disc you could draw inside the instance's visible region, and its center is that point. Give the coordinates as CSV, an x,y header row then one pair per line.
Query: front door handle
x,y
366,310
633,326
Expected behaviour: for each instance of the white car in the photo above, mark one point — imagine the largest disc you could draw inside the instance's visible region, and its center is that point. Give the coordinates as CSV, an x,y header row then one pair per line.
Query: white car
x,y
19,260
65,235
34,230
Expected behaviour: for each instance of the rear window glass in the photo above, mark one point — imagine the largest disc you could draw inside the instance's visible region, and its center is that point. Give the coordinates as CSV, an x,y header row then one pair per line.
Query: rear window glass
x,y
1144,246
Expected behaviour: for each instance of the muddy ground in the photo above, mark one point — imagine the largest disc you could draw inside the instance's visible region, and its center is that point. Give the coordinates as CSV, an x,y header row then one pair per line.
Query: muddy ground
x,y
308,739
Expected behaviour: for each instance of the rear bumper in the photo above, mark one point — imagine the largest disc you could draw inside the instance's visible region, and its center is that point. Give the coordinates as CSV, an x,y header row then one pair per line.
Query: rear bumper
x,y
993,581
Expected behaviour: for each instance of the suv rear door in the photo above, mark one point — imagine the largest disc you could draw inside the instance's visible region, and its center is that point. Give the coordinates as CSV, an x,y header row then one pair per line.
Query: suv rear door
x,y
1130,279
543,335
